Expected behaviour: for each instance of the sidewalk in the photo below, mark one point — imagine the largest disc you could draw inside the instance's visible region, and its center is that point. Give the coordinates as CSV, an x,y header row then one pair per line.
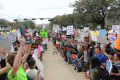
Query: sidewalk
x,y
55,68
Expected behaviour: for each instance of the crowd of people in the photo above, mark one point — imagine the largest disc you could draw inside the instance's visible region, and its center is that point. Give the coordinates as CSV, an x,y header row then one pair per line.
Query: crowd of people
x,y
20,64
87,56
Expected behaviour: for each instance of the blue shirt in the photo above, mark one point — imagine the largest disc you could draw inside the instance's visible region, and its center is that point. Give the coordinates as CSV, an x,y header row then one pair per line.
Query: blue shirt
x,y
101,57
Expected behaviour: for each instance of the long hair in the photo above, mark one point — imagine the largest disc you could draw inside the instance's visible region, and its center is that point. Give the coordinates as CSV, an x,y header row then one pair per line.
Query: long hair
x,y
95,62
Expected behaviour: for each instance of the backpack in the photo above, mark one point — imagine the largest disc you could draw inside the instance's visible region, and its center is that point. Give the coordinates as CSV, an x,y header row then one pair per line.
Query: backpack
x,y
103,73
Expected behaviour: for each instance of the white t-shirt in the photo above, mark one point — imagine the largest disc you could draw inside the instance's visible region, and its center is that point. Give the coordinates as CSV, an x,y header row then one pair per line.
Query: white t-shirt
x,y
32,73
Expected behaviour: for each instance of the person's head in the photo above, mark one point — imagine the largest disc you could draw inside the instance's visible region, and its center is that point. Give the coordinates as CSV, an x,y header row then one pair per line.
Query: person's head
x,y
116,57
98,44
92,43
16,49
32,52
74,45
31,63
110,56
97,50
68,42
95,62
86,46
11,57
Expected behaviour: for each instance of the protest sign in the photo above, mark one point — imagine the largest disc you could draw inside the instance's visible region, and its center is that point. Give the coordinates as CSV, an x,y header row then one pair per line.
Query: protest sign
x,y
116,28
102,32
86,29
70,30
18,35
24,32
81,35
6,44
94,35
64,28
56,27
112,39
14,30
12,36
39,64
109,66
43,33
102,39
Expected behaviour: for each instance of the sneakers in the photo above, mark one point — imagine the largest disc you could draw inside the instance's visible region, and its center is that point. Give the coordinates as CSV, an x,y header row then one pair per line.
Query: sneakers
x,y
85,75
79,70
72,64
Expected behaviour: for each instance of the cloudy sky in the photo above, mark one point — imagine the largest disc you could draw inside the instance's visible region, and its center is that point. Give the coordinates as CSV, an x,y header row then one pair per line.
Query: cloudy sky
x,y
15,9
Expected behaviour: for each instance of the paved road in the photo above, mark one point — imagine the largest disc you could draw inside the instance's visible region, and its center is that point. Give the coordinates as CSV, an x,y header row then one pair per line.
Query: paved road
x,y
55,68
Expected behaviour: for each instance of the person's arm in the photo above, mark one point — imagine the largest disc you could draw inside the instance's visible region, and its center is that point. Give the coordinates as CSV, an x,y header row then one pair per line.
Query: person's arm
x,y
80,58
116,74
17,60
2,50
37,76
5,69
105,52
26,53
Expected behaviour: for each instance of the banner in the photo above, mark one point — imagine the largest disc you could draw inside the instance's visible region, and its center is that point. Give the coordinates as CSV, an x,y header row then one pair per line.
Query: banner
x,y
102,32
6,44
39,64
43,33
70,30
56,27
86,29
109,66
25,33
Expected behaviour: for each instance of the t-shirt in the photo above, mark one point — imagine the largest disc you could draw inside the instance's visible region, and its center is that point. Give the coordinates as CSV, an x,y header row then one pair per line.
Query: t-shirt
x,y
85,56
20,74
101,57
32,73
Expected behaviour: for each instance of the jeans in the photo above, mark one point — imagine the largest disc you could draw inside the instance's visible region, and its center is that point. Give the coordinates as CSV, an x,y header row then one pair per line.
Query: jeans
x,y
68,55
75,62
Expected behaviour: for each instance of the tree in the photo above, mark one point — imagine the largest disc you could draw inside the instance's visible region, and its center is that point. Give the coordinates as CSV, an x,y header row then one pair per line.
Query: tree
x,y
29,24
4,23
94,11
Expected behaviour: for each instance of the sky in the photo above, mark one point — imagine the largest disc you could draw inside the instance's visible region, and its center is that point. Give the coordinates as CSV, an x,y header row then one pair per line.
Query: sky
x,y
15,9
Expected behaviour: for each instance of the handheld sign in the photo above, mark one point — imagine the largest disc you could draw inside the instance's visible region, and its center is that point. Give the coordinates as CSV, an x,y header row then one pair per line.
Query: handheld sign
x,y
43,33
25,33
6,44
109,66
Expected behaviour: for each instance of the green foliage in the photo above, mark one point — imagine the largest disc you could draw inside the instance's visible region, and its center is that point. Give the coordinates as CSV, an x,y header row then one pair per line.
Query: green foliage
x,y
4,23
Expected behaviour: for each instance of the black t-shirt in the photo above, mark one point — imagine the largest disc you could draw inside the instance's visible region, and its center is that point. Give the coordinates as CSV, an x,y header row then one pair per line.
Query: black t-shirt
x,y
3,64
92,52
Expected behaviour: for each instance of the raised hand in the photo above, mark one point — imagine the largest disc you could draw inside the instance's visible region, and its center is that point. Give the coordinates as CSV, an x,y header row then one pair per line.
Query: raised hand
x,y
38,71
22,40
2,50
